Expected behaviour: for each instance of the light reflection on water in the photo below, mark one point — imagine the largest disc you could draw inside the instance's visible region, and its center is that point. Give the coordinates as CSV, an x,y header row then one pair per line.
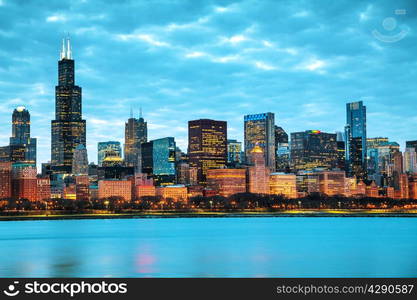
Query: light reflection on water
x,y
210,247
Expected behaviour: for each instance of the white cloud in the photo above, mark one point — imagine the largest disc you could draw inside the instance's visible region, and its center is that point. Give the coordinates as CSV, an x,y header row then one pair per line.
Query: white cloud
x,y
317,64
267,43
264,66
221,9
56,18
225,59
147,38
195,54
236,39
365,15
313,65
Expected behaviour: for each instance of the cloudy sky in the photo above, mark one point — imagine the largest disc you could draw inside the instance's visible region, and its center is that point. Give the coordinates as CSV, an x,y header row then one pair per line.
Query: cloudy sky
x,y
183,60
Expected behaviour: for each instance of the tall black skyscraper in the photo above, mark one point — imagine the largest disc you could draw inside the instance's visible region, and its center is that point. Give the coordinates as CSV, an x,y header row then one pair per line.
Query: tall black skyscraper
x,y
68,128
260,130
136,133
313,149
21,142
355,132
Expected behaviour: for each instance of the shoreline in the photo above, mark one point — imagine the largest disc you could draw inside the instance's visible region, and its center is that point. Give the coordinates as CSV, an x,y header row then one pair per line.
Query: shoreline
x,y
329,213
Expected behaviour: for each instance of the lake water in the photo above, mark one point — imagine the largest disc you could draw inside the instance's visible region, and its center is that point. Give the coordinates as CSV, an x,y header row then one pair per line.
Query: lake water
x,y
210,247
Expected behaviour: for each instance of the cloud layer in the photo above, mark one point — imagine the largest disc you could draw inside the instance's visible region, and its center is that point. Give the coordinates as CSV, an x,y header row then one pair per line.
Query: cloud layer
x,y
302,60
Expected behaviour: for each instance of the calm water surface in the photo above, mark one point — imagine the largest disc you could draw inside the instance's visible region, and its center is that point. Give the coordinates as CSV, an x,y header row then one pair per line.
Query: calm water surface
x,y
210,247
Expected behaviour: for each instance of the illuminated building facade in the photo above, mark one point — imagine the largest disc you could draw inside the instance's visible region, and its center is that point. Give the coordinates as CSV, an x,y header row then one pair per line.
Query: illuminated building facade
x,y
381,162
21,140
372,190
5,154
145,191
80,160
332,182
283,184
5,180
234,152
24,181
136,133
412,185
115,188
258,173
147,157
207,146
403,187
70,192
341,151
411,144
68,128
104,147
175,192
375,142
163,156
259,130
307,182
282,150
355,132
313,149
185,174
43,188
227,181
82,184
397,170
410,161
111,159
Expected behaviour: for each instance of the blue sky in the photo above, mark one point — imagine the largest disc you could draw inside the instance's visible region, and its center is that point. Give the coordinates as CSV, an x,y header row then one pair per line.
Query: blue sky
x,y
183,60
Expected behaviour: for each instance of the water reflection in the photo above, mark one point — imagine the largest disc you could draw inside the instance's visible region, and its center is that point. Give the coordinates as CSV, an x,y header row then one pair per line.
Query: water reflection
x,y
210,247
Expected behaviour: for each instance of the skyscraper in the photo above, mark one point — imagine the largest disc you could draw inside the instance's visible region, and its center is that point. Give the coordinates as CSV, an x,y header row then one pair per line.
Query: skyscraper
x,y
260,130
258,172
105,147
313,149
21,139
5,180
163,155
80,161
68,128
234,152
355,132
207,146
24,181
410,161
282,150
147,157
411,144
381,155
136,133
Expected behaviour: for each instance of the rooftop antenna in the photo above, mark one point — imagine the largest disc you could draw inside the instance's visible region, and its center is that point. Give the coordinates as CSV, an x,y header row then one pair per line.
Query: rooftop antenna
x,y
140,112
69,52
63,49
131,112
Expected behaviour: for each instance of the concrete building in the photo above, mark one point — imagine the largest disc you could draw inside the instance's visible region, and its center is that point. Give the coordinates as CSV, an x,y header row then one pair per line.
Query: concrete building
x,y
227,181
283,184
258,173
175,192
115,188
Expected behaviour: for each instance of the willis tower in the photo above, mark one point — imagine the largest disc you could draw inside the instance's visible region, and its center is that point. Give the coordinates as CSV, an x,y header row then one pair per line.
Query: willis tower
x,y
68,128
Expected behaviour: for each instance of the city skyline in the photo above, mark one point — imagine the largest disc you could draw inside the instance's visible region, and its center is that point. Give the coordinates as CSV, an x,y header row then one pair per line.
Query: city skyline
x,y
245,56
